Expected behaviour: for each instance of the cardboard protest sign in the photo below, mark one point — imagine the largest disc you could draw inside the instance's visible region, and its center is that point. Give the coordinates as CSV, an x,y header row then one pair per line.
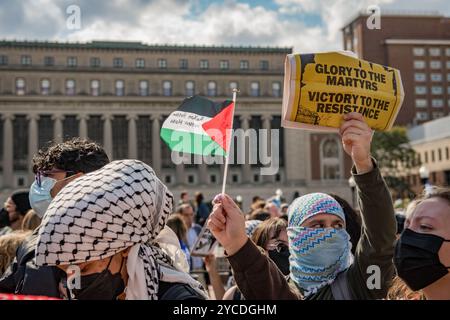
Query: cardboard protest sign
x,y
320,87
205,243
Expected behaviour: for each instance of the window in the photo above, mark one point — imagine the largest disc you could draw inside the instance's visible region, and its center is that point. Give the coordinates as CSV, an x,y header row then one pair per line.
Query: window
x,y
448,90
434,52
45,87
447,153
167,88
440,154
447,64
447,52
234,178
437,103
436,90
162,63
420,90
420,77
254,89
140,63
144,139
49,61
277,177
191,179
419,64
212,89
71,127
183,63
190,88
20,135
276,89
213,178
95,126
204,64
70,87
120,137
95,62
421,103
120,88
329,158
436,77
72,62
432,155
435,64
20,86
25,60
426,156
3,60
168,179
143,88
418,52
264,65
243,65
224,64
256,178
422,116
437,115
117,62
95,88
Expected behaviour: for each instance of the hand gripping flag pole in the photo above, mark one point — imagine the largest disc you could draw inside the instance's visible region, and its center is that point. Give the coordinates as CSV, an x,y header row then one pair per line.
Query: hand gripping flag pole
x,y
229,136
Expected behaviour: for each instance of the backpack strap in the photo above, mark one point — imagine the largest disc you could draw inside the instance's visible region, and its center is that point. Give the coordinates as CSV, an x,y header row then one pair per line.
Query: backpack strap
x,y
340,288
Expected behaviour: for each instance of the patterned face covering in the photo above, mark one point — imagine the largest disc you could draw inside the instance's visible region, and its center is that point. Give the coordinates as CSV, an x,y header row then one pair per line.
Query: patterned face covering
x,y
119,206
318,255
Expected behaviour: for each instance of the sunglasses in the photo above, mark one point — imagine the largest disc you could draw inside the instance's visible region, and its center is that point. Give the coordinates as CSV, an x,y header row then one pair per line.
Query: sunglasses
x,y
47,173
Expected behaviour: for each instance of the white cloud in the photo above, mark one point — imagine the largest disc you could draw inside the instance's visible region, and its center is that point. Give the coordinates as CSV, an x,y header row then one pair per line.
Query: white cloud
x,y
183,22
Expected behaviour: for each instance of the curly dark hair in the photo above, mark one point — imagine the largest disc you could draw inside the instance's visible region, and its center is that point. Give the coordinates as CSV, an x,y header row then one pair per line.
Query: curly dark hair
x,y
76,154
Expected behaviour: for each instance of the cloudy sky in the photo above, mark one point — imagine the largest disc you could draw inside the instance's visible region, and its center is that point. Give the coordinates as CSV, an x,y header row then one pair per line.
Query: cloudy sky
x,y
306,25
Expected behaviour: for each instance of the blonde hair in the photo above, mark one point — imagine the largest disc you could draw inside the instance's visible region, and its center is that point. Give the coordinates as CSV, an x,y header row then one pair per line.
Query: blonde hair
x,y
400,291
31,221
8,246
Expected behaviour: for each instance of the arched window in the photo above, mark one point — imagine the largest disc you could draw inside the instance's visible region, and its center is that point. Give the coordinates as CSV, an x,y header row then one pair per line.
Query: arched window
x,y
20,86
95,87
143,88
330,159
120,88
212,89
70,87
45,87
167,88
190,88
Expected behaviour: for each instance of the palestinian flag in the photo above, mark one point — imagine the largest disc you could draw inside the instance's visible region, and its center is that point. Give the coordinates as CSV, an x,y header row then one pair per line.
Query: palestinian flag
x,y
199,126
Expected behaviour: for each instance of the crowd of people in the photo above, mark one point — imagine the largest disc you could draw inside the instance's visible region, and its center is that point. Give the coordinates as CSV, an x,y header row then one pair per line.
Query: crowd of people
x,y
121,228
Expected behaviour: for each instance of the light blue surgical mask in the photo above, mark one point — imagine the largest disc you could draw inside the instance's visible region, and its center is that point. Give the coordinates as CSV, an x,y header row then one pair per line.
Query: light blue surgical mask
x,y
40,196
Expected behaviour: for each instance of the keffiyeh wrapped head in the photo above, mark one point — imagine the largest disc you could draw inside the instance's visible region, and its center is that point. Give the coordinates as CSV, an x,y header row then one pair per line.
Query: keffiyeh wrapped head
x,y
318,255
102,213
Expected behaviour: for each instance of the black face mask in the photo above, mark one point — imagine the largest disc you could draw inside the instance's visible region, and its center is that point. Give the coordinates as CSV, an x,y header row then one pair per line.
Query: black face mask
x,y
101,286
4,218
280,256
416,259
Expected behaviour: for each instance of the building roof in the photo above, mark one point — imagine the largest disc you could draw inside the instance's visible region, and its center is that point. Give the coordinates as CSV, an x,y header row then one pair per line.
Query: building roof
x,y
129,45
429,131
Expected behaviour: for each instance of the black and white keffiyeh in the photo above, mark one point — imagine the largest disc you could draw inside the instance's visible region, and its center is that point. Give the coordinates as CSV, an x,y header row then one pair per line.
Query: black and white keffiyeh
x,y
99,214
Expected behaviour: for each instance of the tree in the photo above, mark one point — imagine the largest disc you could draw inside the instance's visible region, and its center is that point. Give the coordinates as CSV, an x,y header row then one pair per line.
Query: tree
x,y
395,157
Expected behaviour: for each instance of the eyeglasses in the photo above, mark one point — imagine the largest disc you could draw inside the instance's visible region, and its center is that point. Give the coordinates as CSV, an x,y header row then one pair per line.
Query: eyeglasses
x,y
46,173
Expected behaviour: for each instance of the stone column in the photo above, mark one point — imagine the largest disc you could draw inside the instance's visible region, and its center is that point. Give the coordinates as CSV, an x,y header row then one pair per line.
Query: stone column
x,y
246,167
58,128
33,136
107,135
266,125
82,122
132,136
8,155
156,144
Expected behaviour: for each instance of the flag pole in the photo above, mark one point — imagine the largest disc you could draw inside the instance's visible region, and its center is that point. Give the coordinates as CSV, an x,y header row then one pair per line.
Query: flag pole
x,y
227,156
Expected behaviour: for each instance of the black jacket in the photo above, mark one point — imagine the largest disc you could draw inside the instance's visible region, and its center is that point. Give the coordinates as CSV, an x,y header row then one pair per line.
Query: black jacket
x,y
23,276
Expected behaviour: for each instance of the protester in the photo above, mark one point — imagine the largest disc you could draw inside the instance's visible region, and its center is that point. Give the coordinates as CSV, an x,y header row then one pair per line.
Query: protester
x,y
184,198
8,246
193,230
110,223
321,263
54,168
31,221
271,235
17,205
259,214
273,209
176,223
422,253
202,209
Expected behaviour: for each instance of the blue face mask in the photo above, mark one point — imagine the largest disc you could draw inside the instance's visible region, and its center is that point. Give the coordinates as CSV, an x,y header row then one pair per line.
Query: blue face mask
x,y
40,197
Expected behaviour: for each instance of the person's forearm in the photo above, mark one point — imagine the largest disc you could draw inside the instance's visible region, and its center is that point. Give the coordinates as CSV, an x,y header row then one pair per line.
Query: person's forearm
x,y
216,282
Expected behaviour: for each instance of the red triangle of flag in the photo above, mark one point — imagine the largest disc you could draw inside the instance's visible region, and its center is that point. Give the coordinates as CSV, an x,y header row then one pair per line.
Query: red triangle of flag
x,y
218,127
